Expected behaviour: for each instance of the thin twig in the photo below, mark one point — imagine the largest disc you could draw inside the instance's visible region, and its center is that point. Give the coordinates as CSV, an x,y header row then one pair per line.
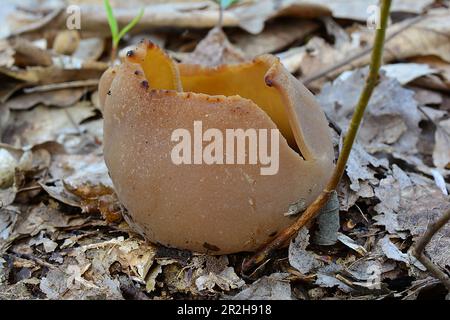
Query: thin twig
x,y
322,73
420,245
314,208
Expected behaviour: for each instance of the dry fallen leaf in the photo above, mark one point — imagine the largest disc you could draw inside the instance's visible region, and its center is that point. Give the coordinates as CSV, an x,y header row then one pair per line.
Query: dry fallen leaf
x,y
441,152
42,124
392,118
59,98
272,287
274,37
419,206
299,258
214,50
427,37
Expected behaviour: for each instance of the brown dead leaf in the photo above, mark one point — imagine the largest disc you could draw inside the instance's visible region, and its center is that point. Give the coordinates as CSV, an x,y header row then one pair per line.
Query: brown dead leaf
x,y
83,181
58,98
275,36
429,36
299,258
45,218
42,124
64,69
392,117
419,206
441,81
6,54
27,54
388,192
273,287
214,50
27,17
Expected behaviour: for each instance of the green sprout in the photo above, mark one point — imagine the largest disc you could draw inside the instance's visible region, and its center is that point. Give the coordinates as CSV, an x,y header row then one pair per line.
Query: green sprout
x,y
116,34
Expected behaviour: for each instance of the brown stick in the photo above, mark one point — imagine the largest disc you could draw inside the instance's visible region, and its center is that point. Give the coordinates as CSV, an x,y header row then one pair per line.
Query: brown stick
x,y
314,208
419,247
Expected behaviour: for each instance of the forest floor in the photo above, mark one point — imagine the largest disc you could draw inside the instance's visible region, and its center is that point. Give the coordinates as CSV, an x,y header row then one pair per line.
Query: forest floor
x,y
62,235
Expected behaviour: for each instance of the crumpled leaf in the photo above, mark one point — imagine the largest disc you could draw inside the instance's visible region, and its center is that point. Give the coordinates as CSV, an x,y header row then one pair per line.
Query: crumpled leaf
x,y
392,252
44,124
326,277
392,115
87,274
361,170
83,181
45,218
441,152
430,39
214,50
388,193
48,244
226,280
8,218
419,206
272,287
216,272
299,258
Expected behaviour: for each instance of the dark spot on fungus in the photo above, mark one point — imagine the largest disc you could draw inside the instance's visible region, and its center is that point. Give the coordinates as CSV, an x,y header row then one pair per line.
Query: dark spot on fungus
x,y
130,53
210,247
109,92
188,95
144,84
268,81
137,72
273,234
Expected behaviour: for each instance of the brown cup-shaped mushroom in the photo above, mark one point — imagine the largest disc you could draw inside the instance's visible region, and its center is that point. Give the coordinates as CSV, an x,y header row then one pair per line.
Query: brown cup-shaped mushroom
x,y
214,208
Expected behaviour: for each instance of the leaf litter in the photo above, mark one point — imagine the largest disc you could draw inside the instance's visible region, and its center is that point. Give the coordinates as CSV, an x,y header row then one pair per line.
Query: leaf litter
x,y
63,232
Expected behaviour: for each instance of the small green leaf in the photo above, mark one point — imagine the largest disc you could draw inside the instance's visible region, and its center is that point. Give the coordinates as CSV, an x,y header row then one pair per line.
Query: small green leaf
x,y
112,22
129,26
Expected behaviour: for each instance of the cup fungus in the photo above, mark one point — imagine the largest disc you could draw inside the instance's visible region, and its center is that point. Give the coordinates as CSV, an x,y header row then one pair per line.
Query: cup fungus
x,y
213,207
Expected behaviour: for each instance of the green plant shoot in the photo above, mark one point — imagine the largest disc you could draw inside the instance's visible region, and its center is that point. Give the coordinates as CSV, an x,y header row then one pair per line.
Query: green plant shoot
x,y
115,33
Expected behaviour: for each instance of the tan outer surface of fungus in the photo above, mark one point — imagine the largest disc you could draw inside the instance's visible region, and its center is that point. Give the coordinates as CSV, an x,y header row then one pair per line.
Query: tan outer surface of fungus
x,y
217,209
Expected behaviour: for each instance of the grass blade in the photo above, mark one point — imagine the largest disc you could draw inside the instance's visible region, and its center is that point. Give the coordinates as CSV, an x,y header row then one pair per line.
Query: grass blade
x,y
129,26
112,22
